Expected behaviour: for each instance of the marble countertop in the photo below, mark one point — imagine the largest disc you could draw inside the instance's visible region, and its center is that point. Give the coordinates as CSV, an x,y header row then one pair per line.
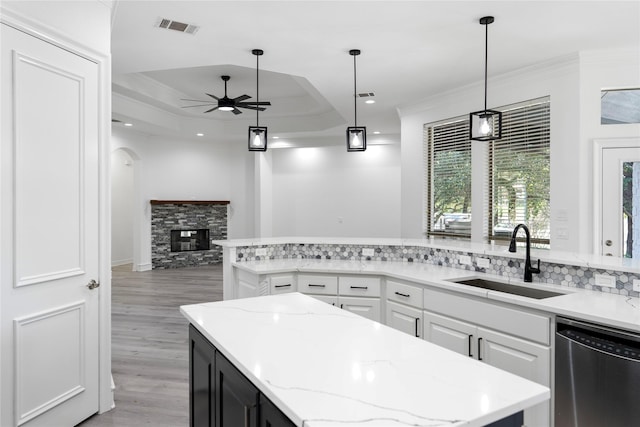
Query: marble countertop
x,y
548,256
612,310
326,367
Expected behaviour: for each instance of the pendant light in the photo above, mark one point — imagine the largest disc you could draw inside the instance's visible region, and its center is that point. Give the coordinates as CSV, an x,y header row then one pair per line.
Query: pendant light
x,y
356,135
485,125
257,133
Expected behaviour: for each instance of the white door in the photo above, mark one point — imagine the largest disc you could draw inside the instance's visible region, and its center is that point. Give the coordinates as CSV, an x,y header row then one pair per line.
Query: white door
x,y
620,171
49,233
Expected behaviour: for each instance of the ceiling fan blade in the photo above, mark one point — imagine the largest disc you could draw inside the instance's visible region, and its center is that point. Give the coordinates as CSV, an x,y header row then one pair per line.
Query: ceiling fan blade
x,y
254,103
249,107
199,105
213,109
236,111
213,96
194,100
241,98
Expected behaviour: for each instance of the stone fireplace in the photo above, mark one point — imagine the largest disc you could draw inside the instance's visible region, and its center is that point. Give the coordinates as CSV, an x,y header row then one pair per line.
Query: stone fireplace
x,y
182,230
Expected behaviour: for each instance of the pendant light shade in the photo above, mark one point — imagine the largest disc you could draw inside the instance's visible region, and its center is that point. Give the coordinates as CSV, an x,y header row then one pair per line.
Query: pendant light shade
x,y
356,135
257,133
485,125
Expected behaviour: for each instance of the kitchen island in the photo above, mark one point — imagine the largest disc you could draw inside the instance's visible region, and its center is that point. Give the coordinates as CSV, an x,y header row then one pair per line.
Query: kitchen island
x,y
315,365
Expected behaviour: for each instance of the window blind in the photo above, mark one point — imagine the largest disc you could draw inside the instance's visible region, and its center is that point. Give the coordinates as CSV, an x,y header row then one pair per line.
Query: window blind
x,y
519,166
447,150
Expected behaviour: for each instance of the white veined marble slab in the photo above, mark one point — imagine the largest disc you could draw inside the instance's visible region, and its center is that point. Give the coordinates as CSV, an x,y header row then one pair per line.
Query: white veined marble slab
x,y
323,367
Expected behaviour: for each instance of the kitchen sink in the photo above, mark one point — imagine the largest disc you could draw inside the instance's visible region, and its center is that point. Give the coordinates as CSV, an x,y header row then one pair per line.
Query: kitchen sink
x,y
508,288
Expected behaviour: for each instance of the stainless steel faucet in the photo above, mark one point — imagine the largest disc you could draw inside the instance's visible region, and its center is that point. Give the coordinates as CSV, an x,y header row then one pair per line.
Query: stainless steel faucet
x,y
528,270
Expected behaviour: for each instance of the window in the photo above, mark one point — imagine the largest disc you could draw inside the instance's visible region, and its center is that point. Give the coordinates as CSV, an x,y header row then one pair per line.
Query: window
x,y
517,171
448,178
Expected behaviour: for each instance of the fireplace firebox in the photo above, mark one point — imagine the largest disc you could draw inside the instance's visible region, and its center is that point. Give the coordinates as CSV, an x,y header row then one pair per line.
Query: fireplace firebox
x,y
190,240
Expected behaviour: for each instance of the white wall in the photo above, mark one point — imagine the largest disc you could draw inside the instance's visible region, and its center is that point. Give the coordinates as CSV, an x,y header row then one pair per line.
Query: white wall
x,y
122,204
573,84
168,169
330,192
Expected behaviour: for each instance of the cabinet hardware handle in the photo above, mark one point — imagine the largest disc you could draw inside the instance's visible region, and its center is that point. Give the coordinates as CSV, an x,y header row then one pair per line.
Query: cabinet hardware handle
x,y
341,305
311,285
417,320
247,416
403,295
470,339
359,287
479,345
283,286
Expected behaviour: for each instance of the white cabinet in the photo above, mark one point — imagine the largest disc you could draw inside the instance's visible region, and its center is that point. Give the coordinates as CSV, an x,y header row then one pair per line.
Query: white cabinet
x,y
404,318
404,307
282,283
471,337
357,294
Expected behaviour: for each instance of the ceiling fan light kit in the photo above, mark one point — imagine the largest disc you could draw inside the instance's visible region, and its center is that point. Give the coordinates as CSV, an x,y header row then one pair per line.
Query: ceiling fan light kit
x,y
356,135
257,133
485,125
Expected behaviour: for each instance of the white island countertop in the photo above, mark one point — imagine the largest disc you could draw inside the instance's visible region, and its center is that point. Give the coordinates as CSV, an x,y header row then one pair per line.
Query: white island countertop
x,y
324,367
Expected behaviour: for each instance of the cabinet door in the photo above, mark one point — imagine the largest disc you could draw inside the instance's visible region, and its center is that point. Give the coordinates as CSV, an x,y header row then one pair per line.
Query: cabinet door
x,y
365,307
247,284
329,299
236,397
404,318
271,416
522,358
201,380
450,333
281,284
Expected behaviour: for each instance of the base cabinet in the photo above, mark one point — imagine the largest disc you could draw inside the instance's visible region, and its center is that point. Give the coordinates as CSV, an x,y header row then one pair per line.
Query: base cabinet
x,y
221,396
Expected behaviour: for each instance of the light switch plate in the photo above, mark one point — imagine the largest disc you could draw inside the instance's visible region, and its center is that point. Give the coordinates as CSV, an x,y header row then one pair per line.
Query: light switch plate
x,y
605,280
261,252
636,285
484,262
464,259
367,252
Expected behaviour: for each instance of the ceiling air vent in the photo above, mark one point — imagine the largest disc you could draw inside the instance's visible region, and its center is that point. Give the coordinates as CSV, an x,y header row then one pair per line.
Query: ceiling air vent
x,y
177,26
366,94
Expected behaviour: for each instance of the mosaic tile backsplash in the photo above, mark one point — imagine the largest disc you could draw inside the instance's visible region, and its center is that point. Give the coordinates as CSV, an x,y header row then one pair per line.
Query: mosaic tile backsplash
x,y
558,274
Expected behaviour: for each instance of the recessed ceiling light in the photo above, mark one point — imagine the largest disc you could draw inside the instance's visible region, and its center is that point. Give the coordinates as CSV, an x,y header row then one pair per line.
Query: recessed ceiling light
x,y
128,124
370,101
199,134
275,137
376,132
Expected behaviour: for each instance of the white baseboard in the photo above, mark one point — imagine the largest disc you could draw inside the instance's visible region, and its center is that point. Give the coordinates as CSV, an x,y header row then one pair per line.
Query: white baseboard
x,y
121,262
143,267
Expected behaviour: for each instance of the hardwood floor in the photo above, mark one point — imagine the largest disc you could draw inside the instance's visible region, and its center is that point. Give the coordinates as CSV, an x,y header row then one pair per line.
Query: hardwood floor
x,y
150,344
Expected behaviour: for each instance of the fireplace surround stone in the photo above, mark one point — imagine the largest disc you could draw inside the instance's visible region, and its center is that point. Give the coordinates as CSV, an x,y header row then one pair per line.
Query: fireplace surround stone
x,y
186,215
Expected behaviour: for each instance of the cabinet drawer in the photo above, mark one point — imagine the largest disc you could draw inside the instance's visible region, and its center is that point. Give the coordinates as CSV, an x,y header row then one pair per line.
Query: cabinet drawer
x,y
406,294
359,286
532,326
282,284
317,284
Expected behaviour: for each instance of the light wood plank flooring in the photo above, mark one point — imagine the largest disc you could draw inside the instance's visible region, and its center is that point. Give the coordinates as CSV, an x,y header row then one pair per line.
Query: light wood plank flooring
x,y
150,344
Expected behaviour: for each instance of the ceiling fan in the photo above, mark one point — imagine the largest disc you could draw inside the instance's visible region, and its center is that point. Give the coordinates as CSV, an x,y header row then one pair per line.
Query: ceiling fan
x,y
228,104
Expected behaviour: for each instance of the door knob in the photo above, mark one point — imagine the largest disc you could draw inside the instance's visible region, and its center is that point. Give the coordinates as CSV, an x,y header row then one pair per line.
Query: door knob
x,y
608,242
93,284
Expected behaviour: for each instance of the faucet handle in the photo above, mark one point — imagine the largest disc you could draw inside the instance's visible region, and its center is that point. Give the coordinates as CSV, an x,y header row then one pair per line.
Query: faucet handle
x,y
536,270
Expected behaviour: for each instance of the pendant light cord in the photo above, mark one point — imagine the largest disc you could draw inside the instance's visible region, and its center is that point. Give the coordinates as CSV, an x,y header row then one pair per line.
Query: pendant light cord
x,y
258,93
355,98
486,60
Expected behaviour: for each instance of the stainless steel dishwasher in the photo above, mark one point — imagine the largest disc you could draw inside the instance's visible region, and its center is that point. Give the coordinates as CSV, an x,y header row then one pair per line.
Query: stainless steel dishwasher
x,y
597,376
